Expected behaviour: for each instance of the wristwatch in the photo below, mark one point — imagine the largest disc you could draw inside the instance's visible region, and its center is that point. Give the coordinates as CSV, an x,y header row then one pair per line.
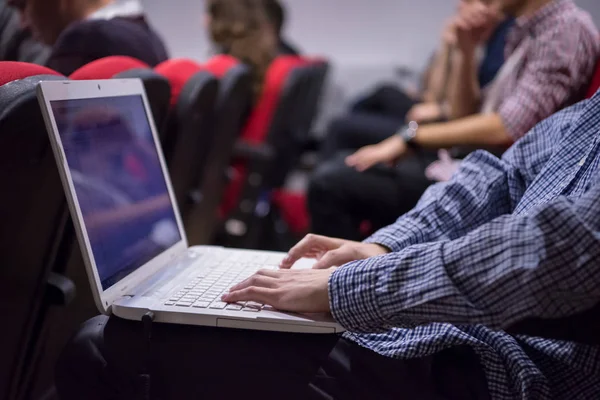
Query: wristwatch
x,y
409,133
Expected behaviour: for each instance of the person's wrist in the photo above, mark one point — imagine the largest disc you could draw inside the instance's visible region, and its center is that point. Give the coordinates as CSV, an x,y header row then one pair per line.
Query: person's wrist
x,y
379,249
407,136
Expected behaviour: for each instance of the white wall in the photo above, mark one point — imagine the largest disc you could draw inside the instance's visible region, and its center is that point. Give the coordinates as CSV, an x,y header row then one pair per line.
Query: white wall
x,y
350,32
365,39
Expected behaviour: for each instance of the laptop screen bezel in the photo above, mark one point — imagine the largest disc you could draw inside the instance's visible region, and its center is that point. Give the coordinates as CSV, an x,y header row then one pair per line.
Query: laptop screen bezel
x,y
74,90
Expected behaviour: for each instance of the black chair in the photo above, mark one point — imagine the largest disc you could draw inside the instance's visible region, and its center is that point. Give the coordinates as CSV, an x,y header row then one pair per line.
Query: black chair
x,y
260,157
190,129
232,108
35,221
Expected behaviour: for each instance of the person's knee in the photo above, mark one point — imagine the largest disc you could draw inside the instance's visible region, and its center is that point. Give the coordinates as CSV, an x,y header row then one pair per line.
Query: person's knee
x,y
325,183
81,359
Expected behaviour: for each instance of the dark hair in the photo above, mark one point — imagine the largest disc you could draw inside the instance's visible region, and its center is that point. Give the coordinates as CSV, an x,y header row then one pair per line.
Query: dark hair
x,y
239,27
275,14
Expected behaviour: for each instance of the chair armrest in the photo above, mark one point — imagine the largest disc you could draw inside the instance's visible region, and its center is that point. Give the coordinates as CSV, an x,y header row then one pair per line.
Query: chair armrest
x,y
259,152
60,290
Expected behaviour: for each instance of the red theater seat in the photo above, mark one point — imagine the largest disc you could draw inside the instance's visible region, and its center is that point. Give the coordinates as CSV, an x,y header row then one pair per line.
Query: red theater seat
x,y
157,88
107,68
190,132
261,122
263,154
231,111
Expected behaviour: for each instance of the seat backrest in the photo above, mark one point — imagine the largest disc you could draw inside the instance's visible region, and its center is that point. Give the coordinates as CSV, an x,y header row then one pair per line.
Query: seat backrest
x,y
190,128
231,111
595,85
34,214
157,87
269,129
319,71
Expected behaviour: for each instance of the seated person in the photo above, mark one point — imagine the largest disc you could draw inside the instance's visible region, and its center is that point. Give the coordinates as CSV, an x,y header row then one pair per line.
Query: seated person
x,y
435,305
552,50
242,30
81,31
369,119
276,16
16,43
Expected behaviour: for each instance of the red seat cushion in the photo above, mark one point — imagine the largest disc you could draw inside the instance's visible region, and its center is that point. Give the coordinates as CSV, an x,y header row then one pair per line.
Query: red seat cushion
x,y
107,68
12,71
178,72
595,82
220,65
259,121
293,209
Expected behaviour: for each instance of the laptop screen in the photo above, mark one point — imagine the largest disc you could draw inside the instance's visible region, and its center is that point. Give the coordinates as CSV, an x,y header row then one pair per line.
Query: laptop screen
x,y
119,183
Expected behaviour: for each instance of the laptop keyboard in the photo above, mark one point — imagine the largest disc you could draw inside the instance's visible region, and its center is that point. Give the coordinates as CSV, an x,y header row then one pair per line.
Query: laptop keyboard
x,y
206,289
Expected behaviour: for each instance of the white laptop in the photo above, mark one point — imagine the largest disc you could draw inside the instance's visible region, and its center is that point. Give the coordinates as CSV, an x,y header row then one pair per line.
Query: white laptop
x,y
128,224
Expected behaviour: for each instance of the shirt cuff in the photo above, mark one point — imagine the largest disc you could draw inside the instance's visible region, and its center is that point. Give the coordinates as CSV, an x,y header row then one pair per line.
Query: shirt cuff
x,y
353,297
386,239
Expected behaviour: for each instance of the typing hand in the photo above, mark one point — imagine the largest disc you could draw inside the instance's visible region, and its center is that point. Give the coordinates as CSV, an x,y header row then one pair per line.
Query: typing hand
x,y
304,291
331,252
386,152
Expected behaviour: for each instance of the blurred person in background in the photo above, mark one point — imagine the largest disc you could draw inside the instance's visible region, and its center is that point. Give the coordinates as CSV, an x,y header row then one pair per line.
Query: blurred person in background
x,y
550,55
16,43
378,115
242,29
82,31
277,16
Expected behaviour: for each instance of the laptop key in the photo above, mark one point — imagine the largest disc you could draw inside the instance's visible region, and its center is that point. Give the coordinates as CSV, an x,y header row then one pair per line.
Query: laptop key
x,y
234,307
218,305
184,304
170,303
201,304
250,309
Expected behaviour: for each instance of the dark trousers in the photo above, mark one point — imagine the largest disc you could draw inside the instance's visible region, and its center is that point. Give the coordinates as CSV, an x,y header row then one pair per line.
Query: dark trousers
x,y
386,100
340,198
105,357
371,120
353,131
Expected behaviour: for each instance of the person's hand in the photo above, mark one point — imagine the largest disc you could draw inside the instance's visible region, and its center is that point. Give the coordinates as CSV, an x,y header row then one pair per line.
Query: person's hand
x,y
425,112
304,291
386,152
331,252
442,169
449,33
474,24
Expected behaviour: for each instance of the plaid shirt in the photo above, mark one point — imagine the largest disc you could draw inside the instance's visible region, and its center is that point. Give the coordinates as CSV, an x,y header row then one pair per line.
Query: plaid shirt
x,y
562,46
503,241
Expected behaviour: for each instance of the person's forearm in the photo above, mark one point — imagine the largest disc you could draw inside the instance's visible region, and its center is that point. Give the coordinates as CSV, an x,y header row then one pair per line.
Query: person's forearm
x,y
542,265
437,76
463,95
478,130
449,210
